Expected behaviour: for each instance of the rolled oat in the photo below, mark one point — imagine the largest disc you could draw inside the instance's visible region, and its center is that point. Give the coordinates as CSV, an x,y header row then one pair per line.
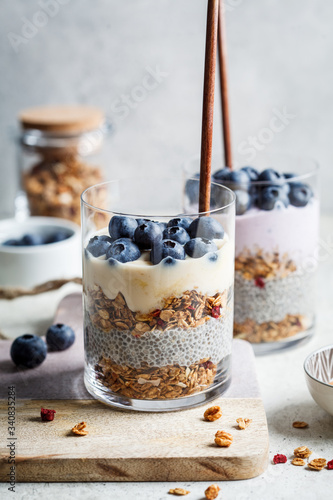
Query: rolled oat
x,y
300,425
178,491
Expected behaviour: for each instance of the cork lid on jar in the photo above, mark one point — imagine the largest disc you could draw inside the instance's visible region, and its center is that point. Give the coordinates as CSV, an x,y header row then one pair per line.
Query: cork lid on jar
x,y
57,119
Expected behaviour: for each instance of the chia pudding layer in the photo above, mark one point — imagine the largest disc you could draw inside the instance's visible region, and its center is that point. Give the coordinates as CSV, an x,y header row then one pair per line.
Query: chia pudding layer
x,y
182,346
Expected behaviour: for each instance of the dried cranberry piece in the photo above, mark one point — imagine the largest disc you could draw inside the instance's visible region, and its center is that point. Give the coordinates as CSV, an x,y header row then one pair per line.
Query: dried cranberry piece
x,y
330,465
279,459
47,415
160,322
259,282
206,364
216,312
156,313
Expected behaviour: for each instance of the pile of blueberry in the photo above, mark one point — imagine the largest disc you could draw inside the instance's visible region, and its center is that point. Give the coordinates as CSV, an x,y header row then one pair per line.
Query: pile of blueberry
x,y
253,189
30,350
168,242
33,239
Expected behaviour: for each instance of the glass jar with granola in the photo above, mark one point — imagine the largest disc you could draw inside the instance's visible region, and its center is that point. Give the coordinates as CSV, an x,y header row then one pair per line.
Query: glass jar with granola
x,y
158,295
59,158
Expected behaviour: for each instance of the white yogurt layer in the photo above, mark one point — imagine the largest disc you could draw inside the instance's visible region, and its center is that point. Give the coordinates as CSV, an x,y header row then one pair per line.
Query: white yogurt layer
x,y
144,285
292,230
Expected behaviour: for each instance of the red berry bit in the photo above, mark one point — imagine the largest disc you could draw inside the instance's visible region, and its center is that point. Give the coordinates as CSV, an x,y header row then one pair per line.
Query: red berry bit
x,y
259,282
216,312
330,465
279,459
47,415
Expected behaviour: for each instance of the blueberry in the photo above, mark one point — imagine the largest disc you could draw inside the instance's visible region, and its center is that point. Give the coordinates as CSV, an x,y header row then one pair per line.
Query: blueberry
x,y
213,257
270,195
243,201
146,234
31,240
122,227
10,243
184,222
169,261
98,245
221,175
166,248
28,351
55,237
142,221
300,194
163,225
238,179
192,188
206,227
123,250
252,173
176,233
288,175
198,247
59,337
269,175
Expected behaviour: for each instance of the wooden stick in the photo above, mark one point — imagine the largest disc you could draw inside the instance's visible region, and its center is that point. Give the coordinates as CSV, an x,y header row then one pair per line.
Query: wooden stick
x,y
222,50
208,106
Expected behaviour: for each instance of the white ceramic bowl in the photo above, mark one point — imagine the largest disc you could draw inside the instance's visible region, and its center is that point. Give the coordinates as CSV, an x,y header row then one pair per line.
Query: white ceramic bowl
x,y
318,368
28,266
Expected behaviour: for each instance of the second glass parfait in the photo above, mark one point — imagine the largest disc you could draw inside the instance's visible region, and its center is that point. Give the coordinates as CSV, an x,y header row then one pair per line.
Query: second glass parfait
x,y
158,295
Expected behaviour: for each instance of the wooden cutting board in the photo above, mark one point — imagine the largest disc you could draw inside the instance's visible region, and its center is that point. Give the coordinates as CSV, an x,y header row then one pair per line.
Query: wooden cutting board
x,y
127,446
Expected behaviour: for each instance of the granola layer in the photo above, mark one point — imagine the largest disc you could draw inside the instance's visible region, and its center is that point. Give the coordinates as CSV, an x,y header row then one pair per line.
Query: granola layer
x,y
188,311
168,382
270,331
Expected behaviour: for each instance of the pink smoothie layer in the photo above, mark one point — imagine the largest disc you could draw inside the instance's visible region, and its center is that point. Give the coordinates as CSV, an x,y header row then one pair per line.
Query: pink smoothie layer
x,y
291,230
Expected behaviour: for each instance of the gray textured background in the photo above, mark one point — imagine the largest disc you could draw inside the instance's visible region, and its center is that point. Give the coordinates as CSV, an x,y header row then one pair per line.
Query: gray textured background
x,y
280,57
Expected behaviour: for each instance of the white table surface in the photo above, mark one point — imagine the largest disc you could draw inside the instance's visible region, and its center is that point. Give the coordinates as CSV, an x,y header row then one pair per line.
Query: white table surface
x,y
286,399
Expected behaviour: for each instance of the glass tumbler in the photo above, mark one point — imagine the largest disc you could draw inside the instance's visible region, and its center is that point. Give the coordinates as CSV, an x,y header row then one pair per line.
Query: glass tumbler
x,y
157,294
276,249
